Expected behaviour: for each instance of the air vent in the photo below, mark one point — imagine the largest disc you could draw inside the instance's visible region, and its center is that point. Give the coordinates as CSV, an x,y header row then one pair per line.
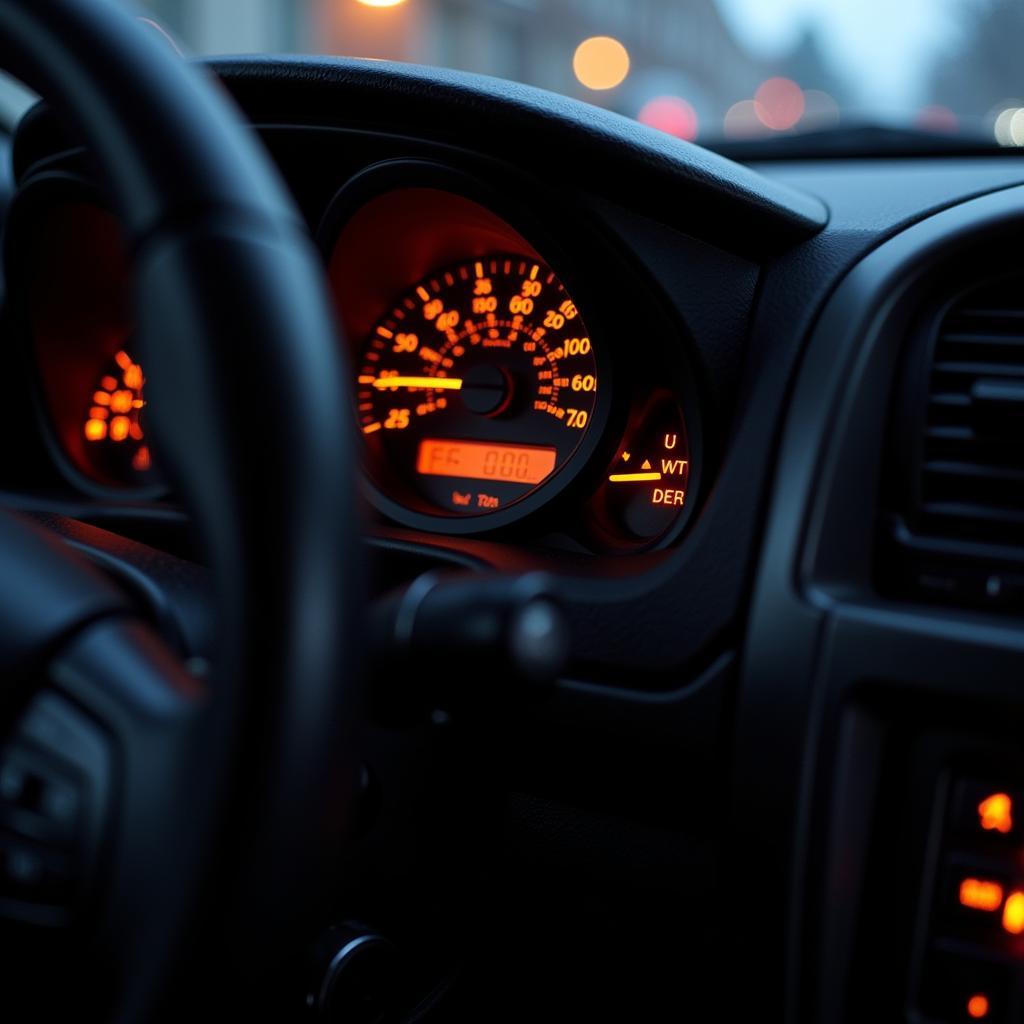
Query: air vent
x,y
959,531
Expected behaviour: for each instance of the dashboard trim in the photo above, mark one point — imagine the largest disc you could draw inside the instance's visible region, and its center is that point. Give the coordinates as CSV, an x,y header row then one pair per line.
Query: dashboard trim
x,y
574,142
819,635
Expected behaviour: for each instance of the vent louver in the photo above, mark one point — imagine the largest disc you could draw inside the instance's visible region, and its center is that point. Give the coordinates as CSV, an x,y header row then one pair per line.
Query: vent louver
x,y
960,535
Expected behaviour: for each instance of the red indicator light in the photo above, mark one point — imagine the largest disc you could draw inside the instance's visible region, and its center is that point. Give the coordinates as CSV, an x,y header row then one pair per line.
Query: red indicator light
x,y
978,1006
995,813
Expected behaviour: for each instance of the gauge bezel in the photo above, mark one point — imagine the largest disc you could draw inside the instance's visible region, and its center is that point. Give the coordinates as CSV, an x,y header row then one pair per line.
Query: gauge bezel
x,y
42,192
393,175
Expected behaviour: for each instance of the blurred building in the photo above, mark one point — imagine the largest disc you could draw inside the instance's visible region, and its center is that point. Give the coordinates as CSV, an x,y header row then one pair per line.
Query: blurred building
x,y
676,48
679,48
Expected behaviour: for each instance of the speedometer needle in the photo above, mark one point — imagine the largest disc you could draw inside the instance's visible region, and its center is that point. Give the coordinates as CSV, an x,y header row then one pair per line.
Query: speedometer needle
x,y
434,383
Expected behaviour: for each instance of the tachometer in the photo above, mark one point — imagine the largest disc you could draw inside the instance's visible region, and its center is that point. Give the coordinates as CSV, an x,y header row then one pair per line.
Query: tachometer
x,y
477,388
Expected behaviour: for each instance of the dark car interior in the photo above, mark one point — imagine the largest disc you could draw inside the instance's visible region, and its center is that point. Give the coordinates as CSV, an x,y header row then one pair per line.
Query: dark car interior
x,y
469,556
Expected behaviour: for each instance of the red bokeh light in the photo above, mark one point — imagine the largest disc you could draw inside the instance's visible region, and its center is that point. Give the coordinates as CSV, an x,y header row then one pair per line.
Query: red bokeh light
x,y
937,118
670,114
779,104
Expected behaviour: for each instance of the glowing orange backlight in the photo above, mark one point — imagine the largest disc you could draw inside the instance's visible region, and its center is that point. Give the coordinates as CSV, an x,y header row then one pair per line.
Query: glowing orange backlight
x,y
114,413
133,377
473,460
121,401
141,460
980,894
632,478
978,1006
996,813
1013,913
95,430
119,428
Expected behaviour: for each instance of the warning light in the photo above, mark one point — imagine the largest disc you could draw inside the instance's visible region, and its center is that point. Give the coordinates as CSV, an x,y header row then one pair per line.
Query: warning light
x,y
981,894
978,1006
1013,913
995,813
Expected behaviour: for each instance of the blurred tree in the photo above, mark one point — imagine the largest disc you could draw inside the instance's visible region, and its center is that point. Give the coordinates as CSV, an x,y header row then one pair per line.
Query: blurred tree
x,y
984,67
809,66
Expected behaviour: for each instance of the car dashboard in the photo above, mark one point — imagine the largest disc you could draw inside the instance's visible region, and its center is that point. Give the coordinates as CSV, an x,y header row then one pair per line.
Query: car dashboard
x,y
756,425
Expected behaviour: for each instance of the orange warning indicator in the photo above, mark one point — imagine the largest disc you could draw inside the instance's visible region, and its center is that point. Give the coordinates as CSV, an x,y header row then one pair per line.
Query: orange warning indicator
x,y
982,894
978,1006
1013,913
995,813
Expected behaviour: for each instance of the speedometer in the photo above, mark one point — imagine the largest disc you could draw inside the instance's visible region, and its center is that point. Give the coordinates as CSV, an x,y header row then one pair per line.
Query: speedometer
x,y
477,387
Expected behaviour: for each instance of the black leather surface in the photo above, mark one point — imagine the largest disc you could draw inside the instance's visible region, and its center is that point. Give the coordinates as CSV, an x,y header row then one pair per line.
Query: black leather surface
x,y
44,596
571,142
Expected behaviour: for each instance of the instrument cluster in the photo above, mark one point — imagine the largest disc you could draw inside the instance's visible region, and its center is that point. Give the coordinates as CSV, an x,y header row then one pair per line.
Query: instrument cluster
x,y
512,374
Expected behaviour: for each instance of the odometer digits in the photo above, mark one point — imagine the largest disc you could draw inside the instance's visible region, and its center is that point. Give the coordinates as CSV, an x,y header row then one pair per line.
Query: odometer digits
x,y
473,460
477,387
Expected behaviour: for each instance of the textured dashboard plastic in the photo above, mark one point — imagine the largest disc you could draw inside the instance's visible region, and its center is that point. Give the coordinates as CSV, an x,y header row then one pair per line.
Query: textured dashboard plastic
x,y
584,146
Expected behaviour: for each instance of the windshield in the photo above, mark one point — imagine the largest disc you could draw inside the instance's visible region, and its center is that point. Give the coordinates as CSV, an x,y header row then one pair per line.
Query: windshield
x,y
704,70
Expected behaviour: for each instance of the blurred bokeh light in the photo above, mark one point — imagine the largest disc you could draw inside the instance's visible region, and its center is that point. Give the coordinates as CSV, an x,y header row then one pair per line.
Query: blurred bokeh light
x,y
745,69
670,114
779,104
601,62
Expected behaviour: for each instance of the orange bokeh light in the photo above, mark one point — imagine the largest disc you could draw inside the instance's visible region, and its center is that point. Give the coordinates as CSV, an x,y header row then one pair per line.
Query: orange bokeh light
x,y
119,428
995,813
779,104
670,114
981,894
114,415
381,3
121,401
601,62
1013,913
978,1006
95,430
133,377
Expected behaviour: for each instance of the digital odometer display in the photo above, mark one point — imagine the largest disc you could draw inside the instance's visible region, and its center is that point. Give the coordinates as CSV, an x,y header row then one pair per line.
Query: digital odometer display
x,y
476,387
473,460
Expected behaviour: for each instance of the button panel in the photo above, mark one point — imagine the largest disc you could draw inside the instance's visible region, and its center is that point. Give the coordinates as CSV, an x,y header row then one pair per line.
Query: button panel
x,y
54,782
973,944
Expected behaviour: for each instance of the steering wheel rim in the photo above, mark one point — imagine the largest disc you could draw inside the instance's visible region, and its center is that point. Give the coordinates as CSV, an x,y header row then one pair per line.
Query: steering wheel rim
x,y
249,410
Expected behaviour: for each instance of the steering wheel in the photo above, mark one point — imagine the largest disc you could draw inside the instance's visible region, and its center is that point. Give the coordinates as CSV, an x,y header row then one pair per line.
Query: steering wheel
x,y
182,823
